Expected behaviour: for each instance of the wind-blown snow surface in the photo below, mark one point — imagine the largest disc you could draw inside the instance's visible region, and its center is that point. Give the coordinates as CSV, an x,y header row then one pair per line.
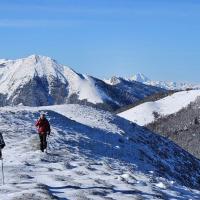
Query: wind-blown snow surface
x,y
92,155
144,113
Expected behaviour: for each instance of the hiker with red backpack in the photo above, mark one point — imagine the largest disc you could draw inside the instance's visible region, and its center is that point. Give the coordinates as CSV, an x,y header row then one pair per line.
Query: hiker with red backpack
x,y
43,130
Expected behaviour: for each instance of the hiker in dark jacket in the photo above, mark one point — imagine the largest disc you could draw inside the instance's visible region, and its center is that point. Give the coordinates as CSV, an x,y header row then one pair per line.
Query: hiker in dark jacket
x,y
2,144
43,130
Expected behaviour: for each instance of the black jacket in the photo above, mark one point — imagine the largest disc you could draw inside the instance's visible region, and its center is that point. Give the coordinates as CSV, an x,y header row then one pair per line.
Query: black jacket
x,y
2,143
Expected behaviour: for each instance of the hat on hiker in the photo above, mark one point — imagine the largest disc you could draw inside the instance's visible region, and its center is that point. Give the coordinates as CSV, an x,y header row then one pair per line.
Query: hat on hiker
x,y
42,115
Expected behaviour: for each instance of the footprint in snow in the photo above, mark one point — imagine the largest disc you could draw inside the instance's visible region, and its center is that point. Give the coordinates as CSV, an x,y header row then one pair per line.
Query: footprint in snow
x,y
81,173
70,166
91,168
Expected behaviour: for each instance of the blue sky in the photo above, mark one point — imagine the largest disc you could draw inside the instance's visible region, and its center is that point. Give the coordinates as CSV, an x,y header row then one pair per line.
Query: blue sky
x,y
160,38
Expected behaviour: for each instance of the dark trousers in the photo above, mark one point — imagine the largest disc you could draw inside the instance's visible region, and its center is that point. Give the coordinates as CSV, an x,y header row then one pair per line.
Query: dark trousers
x,y
43,141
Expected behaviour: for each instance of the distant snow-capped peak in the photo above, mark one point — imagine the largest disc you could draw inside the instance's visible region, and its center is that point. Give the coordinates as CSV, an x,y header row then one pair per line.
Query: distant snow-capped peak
x,y
170,85
140,78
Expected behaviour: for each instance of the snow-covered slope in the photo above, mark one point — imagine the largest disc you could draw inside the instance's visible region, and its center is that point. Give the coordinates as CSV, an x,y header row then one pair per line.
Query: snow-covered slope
x,y
40,80
84,86
92,155
169,85
147,112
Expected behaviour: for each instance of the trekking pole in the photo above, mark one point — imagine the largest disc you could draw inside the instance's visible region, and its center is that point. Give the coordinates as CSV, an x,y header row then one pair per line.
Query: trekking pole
x,y
3,182
47,143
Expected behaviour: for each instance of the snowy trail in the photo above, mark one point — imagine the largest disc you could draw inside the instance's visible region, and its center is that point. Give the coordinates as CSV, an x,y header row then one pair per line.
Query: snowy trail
x,y
83,161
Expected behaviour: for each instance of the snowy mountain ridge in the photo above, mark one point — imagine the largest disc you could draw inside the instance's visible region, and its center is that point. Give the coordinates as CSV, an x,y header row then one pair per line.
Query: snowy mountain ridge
x,y
169,85
39,80
16,73
98,158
